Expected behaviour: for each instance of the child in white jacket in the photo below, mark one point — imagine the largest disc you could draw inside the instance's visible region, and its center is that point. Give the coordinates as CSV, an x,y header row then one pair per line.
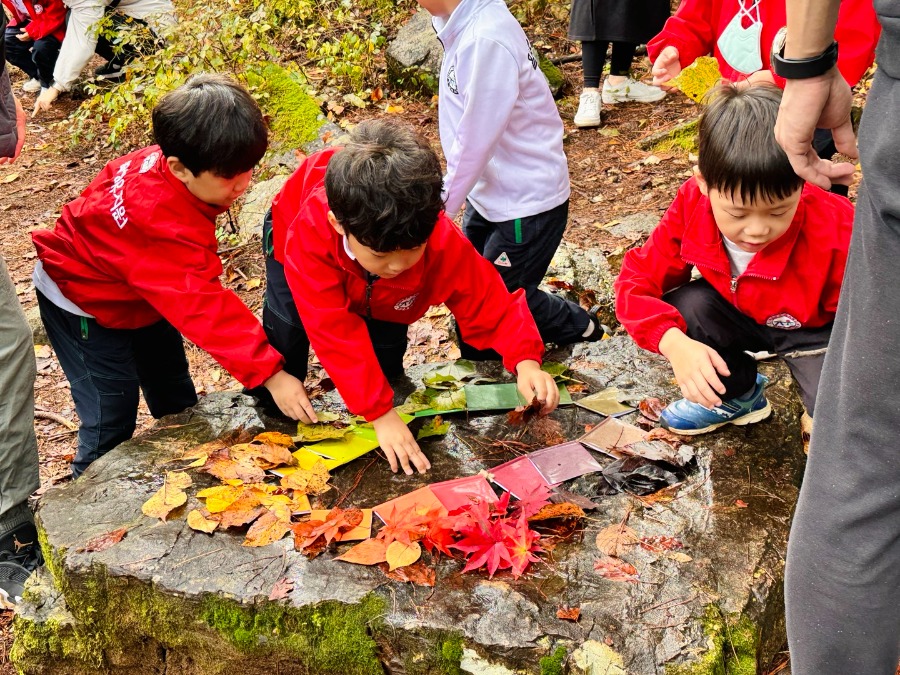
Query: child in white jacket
x,y
503,141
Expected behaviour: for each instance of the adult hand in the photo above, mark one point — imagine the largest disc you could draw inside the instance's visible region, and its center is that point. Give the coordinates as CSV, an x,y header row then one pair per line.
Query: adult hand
x,y
818,102
45,100
696,366
20,134
666,66
398,444
290,396
535,383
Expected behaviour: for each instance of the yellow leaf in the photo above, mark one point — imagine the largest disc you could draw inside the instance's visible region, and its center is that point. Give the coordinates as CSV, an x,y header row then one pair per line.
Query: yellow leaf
x,y
197,521
275,438
42,351
215,374
253,283
200,461
10,178
220,497
166,500
698,78
399,554
267,529
394,109
178,479
313,482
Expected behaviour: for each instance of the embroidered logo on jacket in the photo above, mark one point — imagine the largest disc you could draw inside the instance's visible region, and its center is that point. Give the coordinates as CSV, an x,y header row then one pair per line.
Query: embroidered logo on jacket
x,y
406,303
38,9
451,80
783,321
149,161
503,260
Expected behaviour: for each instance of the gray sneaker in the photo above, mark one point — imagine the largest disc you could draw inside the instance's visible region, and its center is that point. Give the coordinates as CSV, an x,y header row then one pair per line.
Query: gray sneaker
x,y
631,90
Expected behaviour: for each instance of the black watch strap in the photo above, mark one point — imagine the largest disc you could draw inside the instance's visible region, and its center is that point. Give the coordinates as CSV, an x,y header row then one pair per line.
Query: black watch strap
x,y
801,69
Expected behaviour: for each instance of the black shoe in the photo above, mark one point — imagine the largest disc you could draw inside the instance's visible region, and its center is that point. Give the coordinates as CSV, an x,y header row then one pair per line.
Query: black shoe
x,y
600,330
111,71
16,565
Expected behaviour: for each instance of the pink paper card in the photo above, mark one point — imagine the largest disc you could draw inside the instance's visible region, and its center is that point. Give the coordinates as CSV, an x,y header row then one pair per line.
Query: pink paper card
x,y
422,501
455,494
559,463
519,477
611,434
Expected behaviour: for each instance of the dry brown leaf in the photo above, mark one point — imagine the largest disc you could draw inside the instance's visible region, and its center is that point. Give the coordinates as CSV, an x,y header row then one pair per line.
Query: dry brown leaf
x,y
261,455
651,408
418,573
197,521
616,539
205,449
568,613
267,529
313,482
103,541
281,589
275,438
616,570
368,552
242,512
561,510
222,466
661,543
677,556
399,554
163,502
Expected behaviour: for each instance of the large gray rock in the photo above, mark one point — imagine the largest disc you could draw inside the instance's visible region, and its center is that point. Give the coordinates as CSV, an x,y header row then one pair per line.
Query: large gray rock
x,y
585,269
256,204
167,599
36,324
414,56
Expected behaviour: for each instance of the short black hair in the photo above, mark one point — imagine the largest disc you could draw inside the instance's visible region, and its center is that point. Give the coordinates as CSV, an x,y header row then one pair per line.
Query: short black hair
x,y
211,123
737,147
384,186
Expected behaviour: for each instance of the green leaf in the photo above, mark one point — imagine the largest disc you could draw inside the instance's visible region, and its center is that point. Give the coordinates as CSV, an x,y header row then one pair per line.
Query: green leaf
x,y
453,399
436,426
330,425
554,369
458,371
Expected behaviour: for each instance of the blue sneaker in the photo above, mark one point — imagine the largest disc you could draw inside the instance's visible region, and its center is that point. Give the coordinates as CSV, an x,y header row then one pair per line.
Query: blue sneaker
x,y
691,419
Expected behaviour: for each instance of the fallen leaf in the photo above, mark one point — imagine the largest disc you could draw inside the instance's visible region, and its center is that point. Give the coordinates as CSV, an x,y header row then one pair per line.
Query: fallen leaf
x,y
103,541
568,613
10,178
436,426
178,479
526,414
740,503
661,543
616,539
562,510
323,430
418,573
615,569
281,589
399,554
275,438
163,502
651,408
261,455
221,465
368,552
197,521
267,529
220,497
679,557
313,482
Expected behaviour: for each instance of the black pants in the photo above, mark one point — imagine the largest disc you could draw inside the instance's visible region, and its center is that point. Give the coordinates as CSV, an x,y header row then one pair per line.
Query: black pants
x,y
107,366
36,58
521,251
143,42
286,334
593,56
714,321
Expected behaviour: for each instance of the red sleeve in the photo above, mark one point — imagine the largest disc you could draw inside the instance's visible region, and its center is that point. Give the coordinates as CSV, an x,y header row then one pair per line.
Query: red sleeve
x,y
489,315
49,21
338,335
691,30
648,273
857,34
181,282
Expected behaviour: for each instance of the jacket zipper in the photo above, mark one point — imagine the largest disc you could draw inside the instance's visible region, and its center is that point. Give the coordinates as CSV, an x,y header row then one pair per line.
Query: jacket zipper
x,y
370,281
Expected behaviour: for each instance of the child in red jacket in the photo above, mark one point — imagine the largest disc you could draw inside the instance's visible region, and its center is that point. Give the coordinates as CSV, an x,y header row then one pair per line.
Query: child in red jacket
x,y
357,248
132,265
771,253
34,38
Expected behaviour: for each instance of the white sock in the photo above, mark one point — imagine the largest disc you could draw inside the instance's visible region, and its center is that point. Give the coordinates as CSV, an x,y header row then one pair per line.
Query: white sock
x,y
589,330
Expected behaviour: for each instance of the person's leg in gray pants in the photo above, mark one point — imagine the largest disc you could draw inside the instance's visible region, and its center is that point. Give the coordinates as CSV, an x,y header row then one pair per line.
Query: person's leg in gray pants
x,y
843,568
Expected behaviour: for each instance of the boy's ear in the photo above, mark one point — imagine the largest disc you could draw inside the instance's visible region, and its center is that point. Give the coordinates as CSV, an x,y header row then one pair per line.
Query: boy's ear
x,y
179,170
701,182
335,224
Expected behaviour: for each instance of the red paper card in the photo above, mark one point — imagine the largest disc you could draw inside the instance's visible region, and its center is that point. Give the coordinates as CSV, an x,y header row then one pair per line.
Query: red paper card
x,y
422,500
519,477
454,494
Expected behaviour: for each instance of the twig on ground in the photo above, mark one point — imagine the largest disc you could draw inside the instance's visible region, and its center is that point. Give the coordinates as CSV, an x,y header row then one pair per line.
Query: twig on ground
x,y
59,419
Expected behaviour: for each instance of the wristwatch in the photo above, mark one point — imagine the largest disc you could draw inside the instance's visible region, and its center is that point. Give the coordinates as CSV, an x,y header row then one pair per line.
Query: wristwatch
x,y
800,69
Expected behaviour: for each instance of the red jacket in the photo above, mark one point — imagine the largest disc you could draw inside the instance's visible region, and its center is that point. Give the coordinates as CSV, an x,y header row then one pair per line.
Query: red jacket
x,y
797,276
136,246
697,24
48,17
332,292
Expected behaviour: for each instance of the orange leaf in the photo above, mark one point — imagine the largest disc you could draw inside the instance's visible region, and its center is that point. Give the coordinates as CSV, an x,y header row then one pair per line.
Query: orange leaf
x,y
103,541
166,500
616,570
313,482
399,554
268,529
740,503
616,539
568,613
368,552
222,466
418,573
275,438
563,510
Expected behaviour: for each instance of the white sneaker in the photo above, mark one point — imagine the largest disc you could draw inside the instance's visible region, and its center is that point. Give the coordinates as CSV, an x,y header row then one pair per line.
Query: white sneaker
x,y
588,114
631,90
31,86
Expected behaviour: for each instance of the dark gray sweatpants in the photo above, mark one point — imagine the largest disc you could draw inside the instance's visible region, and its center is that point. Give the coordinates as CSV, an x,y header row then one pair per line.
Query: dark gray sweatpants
x,y
843,567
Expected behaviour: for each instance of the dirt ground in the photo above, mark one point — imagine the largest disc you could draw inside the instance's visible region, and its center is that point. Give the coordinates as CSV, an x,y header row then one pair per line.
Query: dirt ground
x,y
611,178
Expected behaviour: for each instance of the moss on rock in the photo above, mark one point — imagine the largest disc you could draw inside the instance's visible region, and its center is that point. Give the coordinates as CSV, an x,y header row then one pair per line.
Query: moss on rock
x,y
554,75
295,117
732,647
552,664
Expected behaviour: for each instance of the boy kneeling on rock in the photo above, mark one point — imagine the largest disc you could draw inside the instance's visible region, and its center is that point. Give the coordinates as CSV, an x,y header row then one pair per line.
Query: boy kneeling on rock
x,y
771,252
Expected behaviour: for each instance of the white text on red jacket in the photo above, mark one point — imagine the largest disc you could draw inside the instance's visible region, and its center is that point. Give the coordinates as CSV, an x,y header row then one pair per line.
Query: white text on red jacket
x,y
117,211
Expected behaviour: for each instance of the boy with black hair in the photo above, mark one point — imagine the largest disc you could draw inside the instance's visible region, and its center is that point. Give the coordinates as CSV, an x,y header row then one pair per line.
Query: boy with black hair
x,y
357,248
132,265
503,142
771,251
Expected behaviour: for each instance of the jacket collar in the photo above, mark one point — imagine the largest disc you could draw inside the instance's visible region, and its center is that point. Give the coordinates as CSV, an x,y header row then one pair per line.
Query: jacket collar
x,y
449,28
702,243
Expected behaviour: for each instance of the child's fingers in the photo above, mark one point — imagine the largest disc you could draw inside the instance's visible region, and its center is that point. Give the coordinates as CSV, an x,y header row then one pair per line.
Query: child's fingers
x,y
719,363
708,372
403,454
391,457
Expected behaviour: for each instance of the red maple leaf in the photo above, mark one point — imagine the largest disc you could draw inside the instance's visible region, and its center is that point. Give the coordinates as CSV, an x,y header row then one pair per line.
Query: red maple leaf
x,y
408,525
337,522
521,541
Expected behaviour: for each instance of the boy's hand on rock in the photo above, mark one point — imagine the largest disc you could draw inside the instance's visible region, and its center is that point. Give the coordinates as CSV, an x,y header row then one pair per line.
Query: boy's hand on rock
x,y
398,444
696,366
534,382
666,66
290,397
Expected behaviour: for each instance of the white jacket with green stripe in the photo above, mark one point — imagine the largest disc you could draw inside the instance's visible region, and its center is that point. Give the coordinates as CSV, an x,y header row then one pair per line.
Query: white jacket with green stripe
x,y
500,129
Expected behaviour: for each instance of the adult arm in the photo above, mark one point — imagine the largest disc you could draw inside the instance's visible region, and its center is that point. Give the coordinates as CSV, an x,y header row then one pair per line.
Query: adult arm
x,y
818,102
79,44
491,91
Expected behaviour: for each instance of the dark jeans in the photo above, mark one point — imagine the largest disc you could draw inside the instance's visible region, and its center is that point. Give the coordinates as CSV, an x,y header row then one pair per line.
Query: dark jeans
x,y
107,366
521,251
593,56
37,58
286,334
120,54
714,321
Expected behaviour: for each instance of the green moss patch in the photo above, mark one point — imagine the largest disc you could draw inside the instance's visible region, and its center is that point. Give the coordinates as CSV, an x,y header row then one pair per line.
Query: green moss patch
x,y
552,664
295,117
732,647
